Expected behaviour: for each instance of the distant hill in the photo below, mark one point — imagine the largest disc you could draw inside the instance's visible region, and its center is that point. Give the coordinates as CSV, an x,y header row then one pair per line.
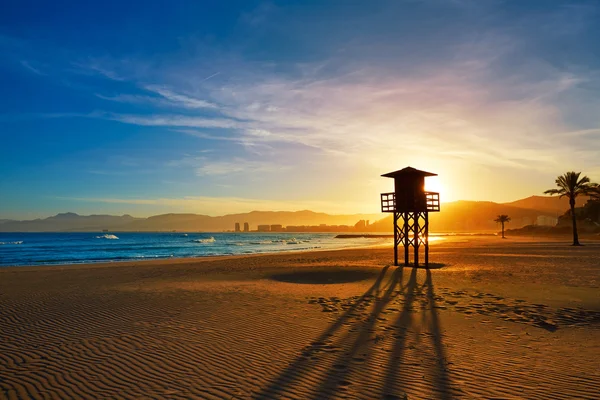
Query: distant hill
x,y
181,222
473,216
550,204
68,222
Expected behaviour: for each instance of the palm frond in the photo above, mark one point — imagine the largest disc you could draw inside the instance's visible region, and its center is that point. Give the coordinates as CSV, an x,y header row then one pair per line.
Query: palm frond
x,y
502,218
570,184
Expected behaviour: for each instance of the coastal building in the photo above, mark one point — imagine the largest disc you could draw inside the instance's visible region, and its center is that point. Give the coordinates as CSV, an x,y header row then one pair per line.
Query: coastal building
x,y
246,227
264,228
276,228
237,227
545,220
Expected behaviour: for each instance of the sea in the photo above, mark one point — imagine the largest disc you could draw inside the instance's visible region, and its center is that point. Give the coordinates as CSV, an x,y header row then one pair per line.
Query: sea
x,y
19,249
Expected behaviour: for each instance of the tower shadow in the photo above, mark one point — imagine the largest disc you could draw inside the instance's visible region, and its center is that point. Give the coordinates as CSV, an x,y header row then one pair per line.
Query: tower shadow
x,y
396,381
293,372
356,337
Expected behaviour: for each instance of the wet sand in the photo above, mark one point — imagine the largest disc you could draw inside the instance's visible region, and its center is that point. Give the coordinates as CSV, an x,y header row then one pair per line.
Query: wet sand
x,y
510,319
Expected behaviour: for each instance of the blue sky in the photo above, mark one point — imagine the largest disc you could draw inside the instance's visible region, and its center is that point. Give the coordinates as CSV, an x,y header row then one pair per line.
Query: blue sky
x,y
217,107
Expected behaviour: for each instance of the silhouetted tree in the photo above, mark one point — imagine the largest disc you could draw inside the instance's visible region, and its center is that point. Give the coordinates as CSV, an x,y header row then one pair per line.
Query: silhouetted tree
x,y
571,185
502,219
595,192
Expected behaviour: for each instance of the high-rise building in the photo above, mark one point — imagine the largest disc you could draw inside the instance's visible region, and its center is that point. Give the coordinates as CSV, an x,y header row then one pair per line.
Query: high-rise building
x,y
264,228
246,227
237,227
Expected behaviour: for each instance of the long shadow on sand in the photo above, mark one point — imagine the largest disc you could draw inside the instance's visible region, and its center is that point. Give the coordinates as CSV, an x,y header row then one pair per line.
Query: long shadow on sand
x,y
366,344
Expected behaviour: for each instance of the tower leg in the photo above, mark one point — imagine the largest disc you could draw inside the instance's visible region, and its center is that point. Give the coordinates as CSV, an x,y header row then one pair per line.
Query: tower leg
x,y
416,237
426,240
406,240
396,239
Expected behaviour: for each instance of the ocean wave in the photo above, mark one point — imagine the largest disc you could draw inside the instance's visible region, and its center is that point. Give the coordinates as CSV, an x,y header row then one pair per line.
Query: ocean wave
x,y
209,240
107,236
16,242
264,242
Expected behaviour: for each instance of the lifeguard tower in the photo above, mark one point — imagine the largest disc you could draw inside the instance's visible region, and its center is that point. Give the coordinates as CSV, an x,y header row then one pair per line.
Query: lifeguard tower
x,y
411,205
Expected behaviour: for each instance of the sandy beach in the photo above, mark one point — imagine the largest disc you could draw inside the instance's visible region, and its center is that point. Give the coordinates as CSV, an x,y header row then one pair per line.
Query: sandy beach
x,y
493,319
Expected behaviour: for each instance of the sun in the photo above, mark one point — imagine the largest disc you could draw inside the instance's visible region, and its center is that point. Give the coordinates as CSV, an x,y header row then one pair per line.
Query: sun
x,y
433,184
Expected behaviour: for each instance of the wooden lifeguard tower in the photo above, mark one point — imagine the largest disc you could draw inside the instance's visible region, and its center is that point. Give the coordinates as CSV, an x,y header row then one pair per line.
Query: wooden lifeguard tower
x,y
411,204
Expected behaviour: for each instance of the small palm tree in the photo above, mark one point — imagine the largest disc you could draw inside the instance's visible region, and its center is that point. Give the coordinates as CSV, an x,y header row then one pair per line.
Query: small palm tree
x,y
571,185
502,219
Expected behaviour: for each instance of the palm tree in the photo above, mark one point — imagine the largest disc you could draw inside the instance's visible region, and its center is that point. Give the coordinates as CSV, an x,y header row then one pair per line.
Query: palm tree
x,y
502,219
571,185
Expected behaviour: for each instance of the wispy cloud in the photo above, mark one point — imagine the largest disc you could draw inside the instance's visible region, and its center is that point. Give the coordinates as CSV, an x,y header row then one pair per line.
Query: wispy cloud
x,y
203,166
180,99
31,68
460,111
238,166
164,98
97,66
171,120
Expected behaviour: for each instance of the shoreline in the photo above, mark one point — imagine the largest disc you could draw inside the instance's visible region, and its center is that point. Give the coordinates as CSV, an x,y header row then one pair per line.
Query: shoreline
x,y
198,259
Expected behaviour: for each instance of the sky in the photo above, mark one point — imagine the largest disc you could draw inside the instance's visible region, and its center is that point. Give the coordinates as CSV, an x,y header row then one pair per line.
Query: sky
x,y
217,107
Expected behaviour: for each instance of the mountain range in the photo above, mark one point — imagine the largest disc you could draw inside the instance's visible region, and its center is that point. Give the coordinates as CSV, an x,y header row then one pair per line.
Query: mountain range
x,y
455,217
71,222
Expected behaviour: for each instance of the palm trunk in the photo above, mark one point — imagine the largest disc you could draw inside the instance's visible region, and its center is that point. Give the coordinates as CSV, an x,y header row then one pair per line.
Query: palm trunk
x,y
503,231
575,236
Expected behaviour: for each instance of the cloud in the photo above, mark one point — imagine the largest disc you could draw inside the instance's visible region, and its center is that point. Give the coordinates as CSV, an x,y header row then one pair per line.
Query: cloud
x,y
462,110
31,68
204,166
165,99
101,67
171,120
180,99
237,166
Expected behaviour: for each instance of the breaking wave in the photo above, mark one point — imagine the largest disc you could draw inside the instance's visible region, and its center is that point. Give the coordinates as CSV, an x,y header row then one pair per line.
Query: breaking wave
x,y
263,242
209,240
107,236
16,242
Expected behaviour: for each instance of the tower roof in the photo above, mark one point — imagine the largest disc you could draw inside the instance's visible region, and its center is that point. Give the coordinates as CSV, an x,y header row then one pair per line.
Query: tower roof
x,y
408,171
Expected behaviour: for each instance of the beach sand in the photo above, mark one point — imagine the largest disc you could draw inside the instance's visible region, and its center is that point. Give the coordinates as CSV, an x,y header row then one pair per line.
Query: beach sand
x,y
494,319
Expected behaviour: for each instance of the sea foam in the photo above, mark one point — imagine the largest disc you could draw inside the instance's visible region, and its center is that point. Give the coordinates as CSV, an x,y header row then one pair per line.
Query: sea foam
x,y
107,236
209,240
17,242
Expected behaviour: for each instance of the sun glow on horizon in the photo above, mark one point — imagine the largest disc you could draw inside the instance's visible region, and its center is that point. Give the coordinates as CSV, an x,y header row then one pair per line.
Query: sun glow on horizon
x,y
434,184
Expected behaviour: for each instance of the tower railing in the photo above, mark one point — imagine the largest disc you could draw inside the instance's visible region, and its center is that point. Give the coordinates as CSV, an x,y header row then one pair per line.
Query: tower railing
x,y
432,200
388,202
